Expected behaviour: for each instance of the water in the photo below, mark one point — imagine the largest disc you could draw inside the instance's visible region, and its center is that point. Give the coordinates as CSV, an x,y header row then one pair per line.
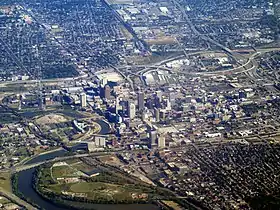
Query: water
x,y
105,128
47,156
25,186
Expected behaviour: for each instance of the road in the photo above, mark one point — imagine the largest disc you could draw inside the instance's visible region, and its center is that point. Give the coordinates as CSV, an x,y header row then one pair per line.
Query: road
x,y
240,69
18,168
249,67
3,84
124,76
196,32
16,199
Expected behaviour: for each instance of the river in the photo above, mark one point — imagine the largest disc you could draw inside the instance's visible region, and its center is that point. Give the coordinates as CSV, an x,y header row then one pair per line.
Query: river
x,y
25,186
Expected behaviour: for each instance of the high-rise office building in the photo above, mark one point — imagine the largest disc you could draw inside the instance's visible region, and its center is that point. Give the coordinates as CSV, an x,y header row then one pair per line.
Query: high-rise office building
x,y
100,141
83,100
172,98
157,102
131,110
168,104
42,103
107,92
141,102
103,82
159,95
20,102
161,141
162,114
157,117
153,138
117,105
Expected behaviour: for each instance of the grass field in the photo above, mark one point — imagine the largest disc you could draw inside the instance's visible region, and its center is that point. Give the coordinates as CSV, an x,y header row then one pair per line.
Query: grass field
x,y
7,116
5,181
83,167
63,171
85,187
108,186
161,41
13,88
97,190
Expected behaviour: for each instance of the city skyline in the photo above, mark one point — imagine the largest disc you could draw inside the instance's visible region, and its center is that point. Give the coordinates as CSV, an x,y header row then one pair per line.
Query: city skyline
x,y
129,104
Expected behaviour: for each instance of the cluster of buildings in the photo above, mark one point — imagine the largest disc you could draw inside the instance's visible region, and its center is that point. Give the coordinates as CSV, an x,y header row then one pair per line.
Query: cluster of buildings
x,y
190,123
87,36
65,42
215,177
210,109
19,142
158,23
24,57
235,24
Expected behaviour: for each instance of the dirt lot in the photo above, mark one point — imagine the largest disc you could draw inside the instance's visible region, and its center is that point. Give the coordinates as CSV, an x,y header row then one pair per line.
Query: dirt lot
x,y
161,40
51,119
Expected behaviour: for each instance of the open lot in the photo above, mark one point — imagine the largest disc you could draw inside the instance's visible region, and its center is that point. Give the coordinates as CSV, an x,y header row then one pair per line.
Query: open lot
x,y
63,171
5,181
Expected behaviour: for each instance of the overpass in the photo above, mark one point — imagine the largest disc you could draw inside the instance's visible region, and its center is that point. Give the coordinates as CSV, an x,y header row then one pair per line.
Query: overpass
x,y
205,37
250,65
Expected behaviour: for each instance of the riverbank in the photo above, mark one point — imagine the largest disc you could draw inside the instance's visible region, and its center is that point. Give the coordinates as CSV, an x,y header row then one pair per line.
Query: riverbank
x,y
61,184
26,190
25,187
16,199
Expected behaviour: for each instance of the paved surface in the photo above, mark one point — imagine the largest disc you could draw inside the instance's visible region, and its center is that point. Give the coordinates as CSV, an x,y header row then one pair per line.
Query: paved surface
x,y
16,199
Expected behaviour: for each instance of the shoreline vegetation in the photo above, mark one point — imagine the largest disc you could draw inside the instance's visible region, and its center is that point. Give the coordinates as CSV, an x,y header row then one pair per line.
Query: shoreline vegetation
x,y
50,190
42,179
15,189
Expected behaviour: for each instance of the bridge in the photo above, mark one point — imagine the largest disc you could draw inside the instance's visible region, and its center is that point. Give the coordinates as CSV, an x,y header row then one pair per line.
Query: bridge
x,y
19,168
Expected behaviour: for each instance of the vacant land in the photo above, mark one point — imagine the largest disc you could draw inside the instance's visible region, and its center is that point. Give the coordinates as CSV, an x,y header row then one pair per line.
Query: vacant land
x,y
162,40
5,182
63,171
101,190
50,119
104,187
110,159
84,167
172,205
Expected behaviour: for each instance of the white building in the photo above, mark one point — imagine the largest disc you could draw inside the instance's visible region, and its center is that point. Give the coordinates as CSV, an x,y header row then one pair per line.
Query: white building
x,y
161,141
83,100
131,110
100,141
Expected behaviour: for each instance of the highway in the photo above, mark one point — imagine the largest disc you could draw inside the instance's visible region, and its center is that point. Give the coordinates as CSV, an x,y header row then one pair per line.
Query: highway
x,y
240,69
124,76
2,84
19,168
196,32
16,199
249,67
